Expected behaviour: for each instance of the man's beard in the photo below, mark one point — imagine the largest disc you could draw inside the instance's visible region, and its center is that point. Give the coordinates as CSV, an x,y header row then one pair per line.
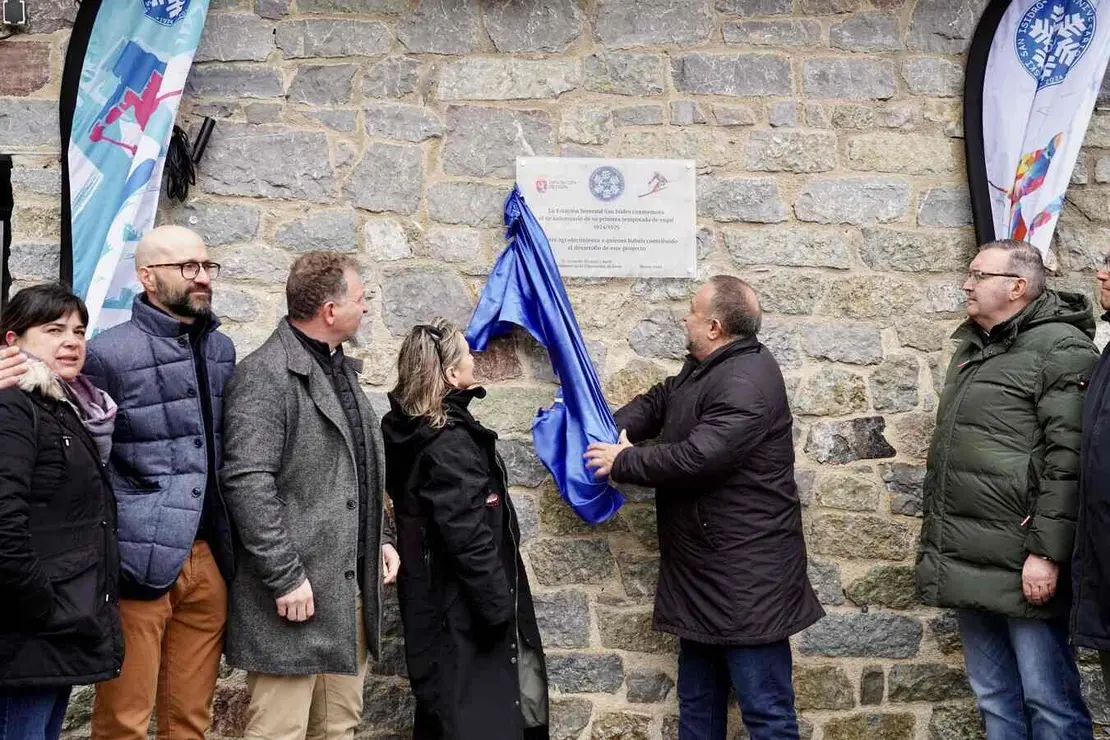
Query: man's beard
x,y
185,303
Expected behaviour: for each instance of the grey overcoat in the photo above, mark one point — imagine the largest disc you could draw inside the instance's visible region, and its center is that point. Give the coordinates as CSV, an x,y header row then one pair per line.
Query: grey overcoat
x,y
290,478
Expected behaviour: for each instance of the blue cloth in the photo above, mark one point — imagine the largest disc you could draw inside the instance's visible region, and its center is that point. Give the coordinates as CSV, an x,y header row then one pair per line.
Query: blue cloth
x,y
525,289
33,714
1024,677
762,676
159,462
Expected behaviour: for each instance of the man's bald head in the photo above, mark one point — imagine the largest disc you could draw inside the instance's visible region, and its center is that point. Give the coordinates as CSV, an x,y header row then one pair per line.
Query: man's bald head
x,y
735,305
169,244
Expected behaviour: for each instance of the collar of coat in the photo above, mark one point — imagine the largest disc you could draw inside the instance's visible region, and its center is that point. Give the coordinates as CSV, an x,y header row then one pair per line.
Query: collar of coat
x,y
40,379
740,346
300,358
155,322
1052,305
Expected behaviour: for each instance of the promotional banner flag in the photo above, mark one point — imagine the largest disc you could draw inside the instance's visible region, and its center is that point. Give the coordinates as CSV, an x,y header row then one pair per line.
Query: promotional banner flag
x,y
526,290
1033,76
125,69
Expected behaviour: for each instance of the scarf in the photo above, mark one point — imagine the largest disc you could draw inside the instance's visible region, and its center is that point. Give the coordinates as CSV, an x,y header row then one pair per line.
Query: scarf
x,y
94,408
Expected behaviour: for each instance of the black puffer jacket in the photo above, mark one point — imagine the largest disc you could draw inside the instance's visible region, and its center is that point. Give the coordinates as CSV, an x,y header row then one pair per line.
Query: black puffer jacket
x,y
732,569
462,587
59,566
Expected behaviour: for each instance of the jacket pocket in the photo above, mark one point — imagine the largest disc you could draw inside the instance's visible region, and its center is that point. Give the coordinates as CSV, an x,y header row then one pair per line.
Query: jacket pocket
x,y
78,594
705,526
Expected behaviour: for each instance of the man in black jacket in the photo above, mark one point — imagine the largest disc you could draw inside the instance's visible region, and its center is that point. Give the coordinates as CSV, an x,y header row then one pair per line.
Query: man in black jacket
x,y
1090,616
732,575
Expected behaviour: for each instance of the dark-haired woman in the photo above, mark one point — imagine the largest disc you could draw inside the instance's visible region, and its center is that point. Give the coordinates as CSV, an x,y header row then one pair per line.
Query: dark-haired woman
x,y
473,648
59,625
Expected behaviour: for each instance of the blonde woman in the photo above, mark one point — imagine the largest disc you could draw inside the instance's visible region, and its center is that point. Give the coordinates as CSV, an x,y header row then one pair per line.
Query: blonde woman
x,y
474,655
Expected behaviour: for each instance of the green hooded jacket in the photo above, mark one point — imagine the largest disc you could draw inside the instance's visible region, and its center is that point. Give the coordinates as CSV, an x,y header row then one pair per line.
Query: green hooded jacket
x,y
1003,468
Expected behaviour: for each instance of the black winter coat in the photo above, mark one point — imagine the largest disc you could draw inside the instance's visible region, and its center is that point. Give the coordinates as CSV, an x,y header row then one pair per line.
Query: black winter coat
x,y
463,591
732,565
1090,615
59,564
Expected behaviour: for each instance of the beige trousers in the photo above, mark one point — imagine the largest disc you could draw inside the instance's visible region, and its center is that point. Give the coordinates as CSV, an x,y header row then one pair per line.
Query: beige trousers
x,y
325,706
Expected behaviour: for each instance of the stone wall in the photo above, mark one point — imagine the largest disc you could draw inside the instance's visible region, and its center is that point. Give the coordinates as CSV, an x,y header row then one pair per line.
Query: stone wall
x,y
827,135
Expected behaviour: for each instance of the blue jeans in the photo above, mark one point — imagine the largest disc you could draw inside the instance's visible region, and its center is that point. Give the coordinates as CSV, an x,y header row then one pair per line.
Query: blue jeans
x,y
32,714
1024,677
764,687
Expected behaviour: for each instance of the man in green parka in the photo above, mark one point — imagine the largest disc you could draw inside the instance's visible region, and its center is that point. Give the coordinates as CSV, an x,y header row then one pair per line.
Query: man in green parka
x,y
1001,492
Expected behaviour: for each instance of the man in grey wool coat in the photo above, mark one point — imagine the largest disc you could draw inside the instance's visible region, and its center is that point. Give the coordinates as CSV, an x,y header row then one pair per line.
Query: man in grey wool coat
x,y
304,480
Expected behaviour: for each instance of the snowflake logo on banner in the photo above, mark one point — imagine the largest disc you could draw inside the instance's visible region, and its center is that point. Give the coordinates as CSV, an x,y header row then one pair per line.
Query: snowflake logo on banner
x,y
166,12
606,183
1052,36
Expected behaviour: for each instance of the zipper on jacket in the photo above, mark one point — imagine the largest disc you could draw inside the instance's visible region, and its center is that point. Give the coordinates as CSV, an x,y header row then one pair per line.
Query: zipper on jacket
x,y
516,552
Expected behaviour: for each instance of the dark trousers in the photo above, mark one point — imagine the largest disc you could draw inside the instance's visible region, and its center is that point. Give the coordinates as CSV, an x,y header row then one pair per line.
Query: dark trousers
x,y
762,677
32,714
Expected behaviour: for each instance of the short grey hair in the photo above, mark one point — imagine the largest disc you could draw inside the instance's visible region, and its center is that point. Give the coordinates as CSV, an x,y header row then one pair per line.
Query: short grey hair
x,y
736,306
1023,259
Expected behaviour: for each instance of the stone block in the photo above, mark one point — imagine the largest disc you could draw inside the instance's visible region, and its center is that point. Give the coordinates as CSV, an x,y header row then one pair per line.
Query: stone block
x,y
533,25
333,231
698,73
740,199
778,32
452,245
946,207
322,84
873,31
916,251
415,296
485,142
871,727
824,576
906,486
235,37
522,466
791,151
466,203
959,721
783,114
686,113
789,293
872,686
912,433
434,27
828,7
625,23
634,378
638,115
218,224
734,115
560,520
831,392
931,682
343,121
389,705
385,240
563,618
848,492
853,201
709,147
29,123
569,717
624,73
413,123
34,262
839,442
325,37
392,77
911,154
585,673
234,305
848,79
35,179
48,16
630,629
876,297
783,342
858,344
794,247
894,385
639,575
508,79
268,162
863,537
822,687
385,7
891,586
932,76
528,516
586,124
389,177
24,67
648,687
750,8
660,334
876,635
944,26
273,10
621,726
566,562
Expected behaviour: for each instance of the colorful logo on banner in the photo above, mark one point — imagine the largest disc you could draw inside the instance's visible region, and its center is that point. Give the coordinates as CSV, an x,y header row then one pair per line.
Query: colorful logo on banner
x,y
1051,38
131,82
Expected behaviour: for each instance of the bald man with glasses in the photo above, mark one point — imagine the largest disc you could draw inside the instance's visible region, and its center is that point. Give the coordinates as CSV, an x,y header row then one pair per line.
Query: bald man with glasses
x,y
166,368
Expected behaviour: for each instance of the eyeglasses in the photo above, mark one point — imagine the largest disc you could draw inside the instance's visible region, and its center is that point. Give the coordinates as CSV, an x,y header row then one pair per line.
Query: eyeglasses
x,y
437,337
977,276
190,270
1106,263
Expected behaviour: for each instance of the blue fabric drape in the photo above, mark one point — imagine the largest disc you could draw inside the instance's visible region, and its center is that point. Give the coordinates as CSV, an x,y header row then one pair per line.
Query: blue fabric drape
x,y
526,290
